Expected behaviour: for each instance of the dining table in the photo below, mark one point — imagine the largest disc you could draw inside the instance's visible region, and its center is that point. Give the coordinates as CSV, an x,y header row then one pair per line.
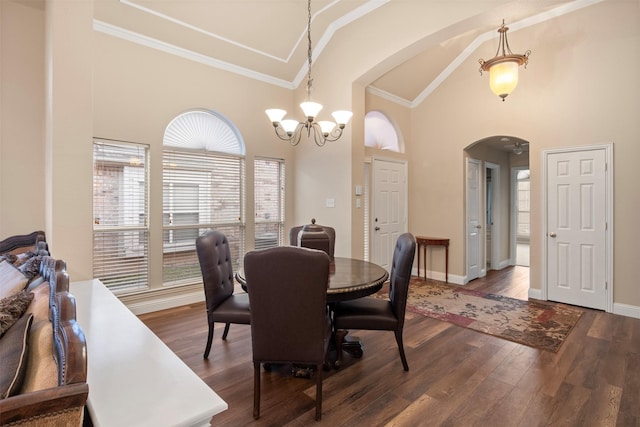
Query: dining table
x,y
349,278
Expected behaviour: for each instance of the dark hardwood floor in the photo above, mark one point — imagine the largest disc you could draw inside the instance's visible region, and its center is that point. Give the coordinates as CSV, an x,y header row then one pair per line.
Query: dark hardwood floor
x,y
457,377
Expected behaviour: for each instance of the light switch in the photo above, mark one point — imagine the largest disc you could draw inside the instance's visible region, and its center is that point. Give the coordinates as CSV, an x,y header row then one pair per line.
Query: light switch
x,y
358,190
330,203
358,203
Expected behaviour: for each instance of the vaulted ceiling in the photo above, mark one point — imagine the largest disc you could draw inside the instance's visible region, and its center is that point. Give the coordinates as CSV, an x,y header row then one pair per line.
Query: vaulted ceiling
x,y
267,39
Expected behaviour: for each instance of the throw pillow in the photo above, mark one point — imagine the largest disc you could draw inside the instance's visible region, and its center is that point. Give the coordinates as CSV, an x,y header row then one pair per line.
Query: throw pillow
x,y
12,280
13,353
23,257
31,267
9,257
12,308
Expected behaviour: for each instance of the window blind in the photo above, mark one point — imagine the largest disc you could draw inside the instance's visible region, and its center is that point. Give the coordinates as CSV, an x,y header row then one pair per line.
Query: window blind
x,y
201,190
269,202
120,212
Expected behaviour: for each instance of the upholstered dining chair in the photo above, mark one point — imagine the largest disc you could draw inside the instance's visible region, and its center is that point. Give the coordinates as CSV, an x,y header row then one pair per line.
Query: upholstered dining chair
x,y
377,314
331,232
214,256
290,323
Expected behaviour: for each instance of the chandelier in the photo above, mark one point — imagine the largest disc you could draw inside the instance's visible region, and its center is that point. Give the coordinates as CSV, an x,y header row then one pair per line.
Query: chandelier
x,y
323,131
503,68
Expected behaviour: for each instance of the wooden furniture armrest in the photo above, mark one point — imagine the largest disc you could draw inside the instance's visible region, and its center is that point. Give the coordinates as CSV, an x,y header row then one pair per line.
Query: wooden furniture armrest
x,y
23,242
43,403
69,340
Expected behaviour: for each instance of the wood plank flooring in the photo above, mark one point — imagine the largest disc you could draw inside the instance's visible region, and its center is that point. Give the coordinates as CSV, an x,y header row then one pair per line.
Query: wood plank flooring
x,y
457,377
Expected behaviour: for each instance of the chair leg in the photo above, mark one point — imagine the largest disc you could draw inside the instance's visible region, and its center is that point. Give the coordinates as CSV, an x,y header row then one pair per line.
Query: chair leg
x,y
209,340
318,392
226,331
401,350
256,390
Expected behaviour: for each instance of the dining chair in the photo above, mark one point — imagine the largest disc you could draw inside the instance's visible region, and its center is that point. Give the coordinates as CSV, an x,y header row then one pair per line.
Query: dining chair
x,y
331,232
290,323
214,256
378,314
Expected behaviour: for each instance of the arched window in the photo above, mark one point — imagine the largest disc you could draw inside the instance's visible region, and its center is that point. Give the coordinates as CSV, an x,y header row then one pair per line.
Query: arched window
x,y
380,133
204,130
202,188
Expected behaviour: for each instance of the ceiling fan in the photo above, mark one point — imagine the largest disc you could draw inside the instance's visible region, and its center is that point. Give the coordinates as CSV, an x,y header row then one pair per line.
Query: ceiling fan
x,y
517,147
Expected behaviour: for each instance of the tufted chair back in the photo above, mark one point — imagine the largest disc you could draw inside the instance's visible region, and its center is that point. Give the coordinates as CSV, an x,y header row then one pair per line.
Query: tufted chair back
x,y
290,322
331,232
214,256
403,256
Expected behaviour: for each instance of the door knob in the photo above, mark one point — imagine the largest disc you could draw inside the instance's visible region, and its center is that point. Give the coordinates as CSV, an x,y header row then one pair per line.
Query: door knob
x,y
552,234
377,228
478,226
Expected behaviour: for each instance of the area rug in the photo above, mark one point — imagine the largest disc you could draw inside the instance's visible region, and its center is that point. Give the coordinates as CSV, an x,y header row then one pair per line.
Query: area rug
x,y
536,324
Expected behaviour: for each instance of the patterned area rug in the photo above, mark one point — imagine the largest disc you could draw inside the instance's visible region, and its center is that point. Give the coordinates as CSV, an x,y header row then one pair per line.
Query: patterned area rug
x,y
538,324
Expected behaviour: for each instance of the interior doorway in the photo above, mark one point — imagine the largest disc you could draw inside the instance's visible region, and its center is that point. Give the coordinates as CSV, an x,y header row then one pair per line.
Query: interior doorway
x,y
498,156
492,216
520,216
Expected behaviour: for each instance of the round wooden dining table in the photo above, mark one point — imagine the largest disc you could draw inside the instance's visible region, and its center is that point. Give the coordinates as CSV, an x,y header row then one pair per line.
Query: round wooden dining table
x,y
348,279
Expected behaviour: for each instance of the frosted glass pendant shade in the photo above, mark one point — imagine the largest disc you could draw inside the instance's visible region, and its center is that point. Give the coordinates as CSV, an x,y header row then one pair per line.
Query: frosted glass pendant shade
x,y
503,78
342,117
275,114
289,126
310,108
326,126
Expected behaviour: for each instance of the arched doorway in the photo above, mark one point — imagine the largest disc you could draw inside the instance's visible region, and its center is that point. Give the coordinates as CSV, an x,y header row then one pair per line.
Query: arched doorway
x,y
494,160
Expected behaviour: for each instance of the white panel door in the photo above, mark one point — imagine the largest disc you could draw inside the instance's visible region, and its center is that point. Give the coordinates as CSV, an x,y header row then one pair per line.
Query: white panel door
x,y
576,224
388,218
474,219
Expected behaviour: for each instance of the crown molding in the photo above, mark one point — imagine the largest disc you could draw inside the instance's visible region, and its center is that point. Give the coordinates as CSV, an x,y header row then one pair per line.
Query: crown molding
x,y
150,42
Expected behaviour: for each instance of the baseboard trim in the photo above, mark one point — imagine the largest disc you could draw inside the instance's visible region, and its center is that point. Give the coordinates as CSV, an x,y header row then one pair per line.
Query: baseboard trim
x,y
504,264
535,293
437,275
626,310
164,302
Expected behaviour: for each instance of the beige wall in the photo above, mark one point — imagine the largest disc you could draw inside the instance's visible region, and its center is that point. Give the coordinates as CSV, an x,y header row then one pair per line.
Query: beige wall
x,y
22,183
565,98
583,91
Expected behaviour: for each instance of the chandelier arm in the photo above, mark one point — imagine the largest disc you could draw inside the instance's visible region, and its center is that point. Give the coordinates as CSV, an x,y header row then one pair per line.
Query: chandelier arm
x,y
335,134
297,136
294,138
318,137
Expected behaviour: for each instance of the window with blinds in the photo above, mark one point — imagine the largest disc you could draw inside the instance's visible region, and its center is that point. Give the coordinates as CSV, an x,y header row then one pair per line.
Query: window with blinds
x,y
120,212
200,191
269,202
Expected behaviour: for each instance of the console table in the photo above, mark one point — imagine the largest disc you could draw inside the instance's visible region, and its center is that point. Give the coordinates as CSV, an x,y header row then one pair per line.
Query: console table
x,y
433,241
134,378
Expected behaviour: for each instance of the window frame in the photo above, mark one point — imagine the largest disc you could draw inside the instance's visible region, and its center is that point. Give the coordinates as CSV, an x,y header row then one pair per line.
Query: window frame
x,y
279,220
122,208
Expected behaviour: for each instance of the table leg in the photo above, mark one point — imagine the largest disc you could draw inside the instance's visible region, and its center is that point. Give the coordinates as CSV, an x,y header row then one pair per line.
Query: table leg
x,y
351,346
424,253
446,261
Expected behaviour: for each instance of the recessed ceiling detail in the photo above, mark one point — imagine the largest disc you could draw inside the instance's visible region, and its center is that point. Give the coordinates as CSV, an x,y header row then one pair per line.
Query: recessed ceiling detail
x,y
263,40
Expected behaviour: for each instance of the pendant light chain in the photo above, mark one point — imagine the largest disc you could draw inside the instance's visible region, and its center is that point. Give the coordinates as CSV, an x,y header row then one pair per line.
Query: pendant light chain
x,y
309,79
